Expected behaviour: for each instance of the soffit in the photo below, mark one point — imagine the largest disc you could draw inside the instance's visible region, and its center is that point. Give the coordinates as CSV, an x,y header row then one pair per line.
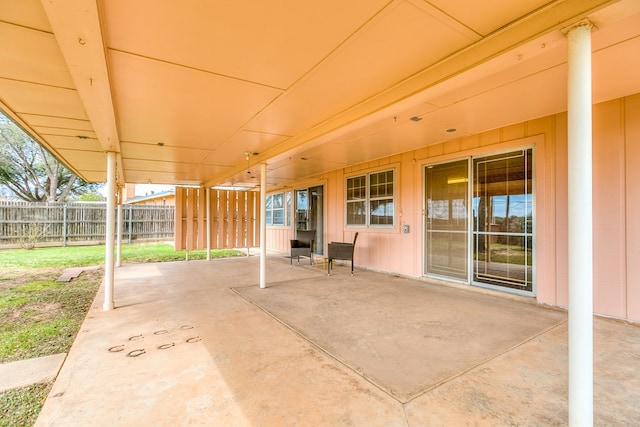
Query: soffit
x,y
335,83
26,13
266,43
491,14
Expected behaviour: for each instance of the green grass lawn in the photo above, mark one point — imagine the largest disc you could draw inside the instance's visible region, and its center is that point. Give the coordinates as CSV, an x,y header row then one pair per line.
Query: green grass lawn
x,y
40,316
76,256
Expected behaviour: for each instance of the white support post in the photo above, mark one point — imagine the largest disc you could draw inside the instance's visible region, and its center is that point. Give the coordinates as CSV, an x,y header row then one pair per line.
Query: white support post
x,y
109,241
580,218
263,225
189,224
64,225
208,230
119,230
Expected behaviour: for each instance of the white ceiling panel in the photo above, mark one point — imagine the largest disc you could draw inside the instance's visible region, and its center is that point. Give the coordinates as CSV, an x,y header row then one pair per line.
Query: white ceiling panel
x,y
166,153
615,80
272,44
162,102
389,49
253,142
71,142
487,16
86,160
26,97
32,56
56,122
152,165
26,13
57,131
335,82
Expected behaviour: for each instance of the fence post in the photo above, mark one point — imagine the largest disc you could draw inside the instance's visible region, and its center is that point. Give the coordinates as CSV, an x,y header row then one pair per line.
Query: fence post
x,y
119,233
130,221
64,225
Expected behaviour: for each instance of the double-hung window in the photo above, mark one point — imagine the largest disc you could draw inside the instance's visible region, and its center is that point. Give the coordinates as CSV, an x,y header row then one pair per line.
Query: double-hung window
x,y
275,209
371,199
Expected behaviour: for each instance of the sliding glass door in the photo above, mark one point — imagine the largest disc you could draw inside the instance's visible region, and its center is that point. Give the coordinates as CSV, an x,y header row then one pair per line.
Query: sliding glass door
x,y
503,220
446,220
481,233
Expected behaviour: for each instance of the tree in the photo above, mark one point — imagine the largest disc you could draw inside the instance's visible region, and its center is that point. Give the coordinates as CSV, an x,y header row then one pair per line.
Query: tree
x,y
92,196
31,173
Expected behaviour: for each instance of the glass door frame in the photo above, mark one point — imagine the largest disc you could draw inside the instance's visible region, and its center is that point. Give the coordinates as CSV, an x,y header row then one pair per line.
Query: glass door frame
x,y
507,289
470,222
319,247
468,225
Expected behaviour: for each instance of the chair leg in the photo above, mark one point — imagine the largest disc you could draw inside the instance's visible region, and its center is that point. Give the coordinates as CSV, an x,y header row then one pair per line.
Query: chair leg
x,y
329,267
352,266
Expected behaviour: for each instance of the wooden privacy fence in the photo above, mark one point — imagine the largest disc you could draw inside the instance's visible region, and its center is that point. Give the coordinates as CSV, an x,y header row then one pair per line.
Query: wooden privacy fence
x,y
235,218
24,223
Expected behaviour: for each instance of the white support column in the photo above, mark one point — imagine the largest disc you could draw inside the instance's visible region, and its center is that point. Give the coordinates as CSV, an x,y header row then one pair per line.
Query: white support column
x,y
109,241
189,224
208,230
119,230
580,227
263,225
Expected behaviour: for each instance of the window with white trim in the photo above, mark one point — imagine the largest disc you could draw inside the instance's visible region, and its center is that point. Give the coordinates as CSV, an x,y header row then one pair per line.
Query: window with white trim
x,y
275,209
371,199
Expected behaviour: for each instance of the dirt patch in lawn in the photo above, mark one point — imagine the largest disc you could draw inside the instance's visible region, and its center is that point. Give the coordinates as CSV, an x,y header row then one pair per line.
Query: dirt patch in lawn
x,y
40,316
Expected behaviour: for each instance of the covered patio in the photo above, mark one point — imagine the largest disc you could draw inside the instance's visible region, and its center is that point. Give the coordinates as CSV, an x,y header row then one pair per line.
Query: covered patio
x,y
349,104
372,349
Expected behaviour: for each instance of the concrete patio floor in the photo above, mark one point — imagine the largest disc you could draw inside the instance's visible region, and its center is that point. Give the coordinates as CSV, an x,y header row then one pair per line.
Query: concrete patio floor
x,y
198,343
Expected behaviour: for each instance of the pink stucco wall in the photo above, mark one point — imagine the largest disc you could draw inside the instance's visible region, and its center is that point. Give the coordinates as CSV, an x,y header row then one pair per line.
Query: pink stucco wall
x,y
616,198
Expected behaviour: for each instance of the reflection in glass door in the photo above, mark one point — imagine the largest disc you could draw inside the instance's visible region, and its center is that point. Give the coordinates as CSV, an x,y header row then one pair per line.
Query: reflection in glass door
x,y
310,213
503,220
446,220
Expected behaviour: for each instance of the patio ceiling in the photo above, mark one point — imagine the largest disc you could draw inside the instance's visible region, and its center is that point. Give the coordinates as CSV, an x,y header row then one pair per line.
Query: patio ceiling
x,y
185,93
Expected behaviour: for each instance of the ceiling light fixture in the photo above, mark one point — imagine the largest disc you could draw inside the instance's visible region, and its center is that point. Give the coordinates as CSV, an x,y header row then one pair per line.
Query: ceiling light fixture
x,y
415,119
451,130
160,144
82,137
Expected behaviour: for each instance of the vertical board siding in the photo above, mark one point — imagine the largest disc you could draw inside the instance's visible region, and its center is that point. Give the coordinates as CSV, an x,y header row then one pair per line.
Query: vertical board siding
x,y
234,219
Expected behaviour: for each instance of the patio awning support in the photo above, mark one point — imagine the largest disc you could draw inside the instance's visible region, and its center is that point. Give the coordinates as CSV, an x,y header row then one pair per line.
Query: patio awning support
x,y
580,217
263,225
110,225
208,230
119,229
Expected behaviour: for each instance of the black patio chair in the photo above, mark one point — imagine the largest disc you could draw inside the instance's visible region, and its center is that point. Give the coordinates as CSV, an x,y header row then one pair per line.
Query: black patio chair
x,y
302,245
342,251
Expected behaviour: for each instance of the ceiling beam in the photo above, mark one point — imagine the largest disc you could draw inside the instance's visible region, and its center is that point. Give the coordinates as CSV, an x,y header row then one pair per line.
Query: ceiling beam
x,y
78,31
552,17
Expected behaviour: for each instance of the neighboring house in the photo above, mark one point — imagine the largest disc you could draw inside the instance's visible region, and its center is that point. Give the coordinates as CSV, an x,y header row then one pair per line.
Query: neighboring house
x,y
163,198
